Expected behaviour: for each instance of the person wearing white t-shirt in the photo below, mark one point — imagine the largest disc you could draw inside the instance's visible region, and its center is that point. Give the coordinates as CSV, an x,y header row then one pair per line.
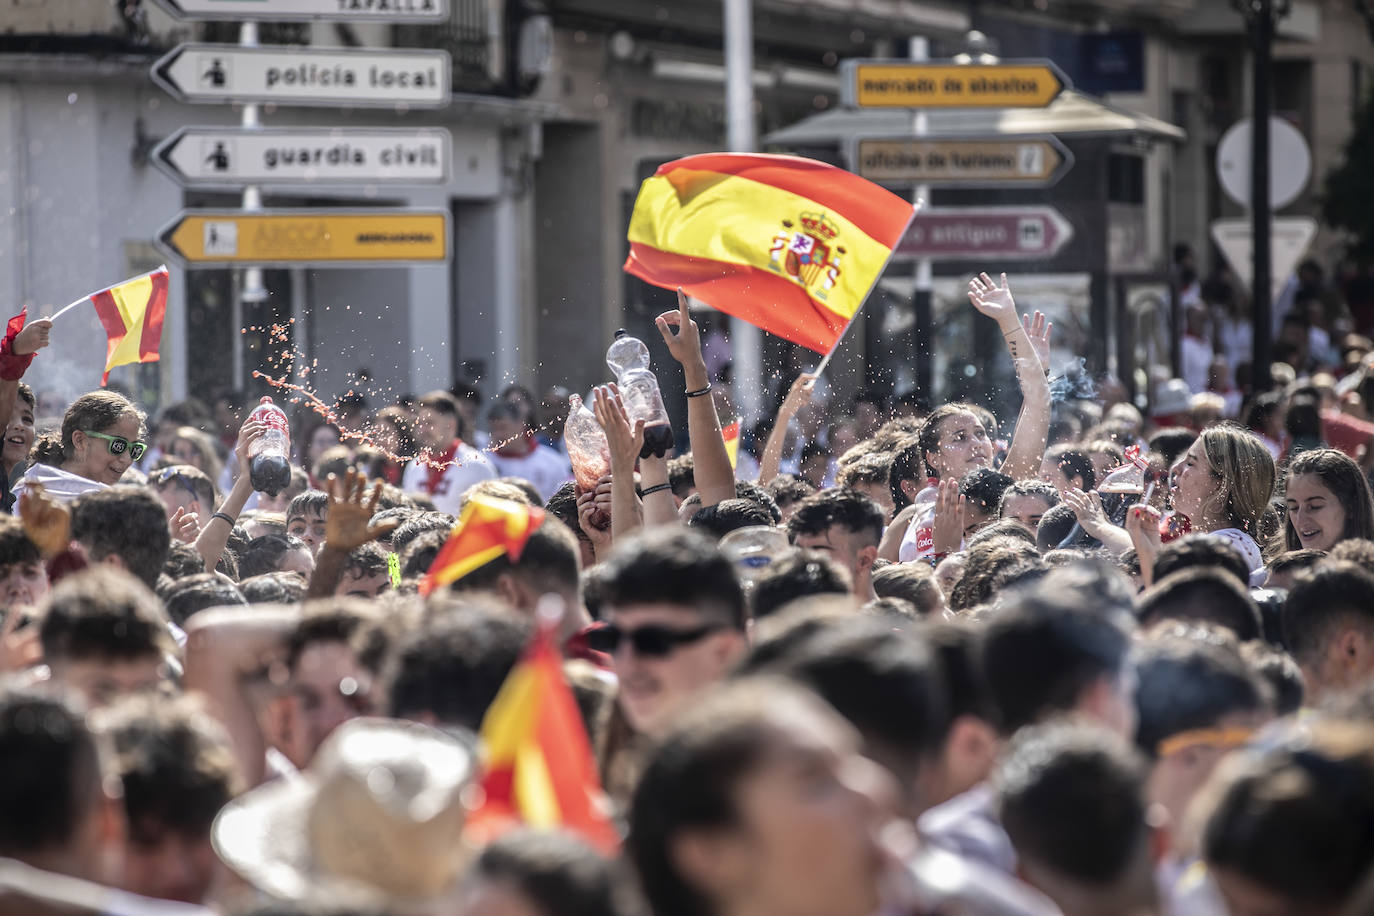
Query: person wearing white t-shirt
x,y
518,454
447,465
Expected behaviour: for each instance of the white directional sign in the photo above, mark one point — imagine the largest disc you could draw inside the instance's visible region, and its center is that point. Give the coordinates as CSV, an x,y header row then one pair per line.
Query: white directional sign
x,y
229,156
300,10
305,76
1290,237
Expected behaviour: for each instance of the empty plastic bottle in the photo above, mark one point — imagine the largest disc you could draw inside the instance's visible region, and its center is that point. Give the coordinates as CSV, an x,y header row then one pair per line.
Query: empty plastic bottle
x,y
588,450
629,360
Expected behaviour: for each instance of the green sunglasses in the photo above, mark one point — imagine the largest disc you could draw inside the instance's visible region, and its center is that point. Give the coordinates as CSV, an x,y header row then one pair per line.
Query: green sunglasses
x,y
118,444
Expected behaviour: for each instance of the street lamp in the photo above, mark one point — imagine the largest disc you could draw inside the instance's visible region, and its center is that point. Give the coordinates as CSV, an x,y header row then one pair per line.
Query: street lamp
x,y
1261,17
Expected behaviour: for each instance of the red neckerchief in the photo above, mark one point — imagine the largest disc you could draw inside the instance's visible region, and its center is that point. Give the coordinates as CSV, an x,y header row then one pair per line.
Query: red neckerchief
x,y
436,474
577,647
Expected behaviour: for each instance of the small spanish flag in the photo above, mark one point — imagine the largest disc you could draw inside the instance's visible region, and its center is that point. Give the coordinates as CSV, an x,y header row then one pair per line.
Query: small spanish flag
x,y
539,769
132,315
487,528
731,434
788,244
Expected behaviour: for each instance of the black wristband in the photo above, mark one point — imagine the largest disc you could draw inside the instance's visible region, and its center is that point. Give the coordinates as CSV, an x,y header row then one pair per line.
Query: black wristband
x,y
224,516
700,392
656,488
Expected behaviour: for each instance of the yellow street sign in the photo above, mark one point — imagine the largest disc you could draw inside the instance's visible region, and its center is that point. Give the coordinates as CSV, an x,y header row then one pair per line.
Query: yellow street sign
x,y
943,84
333,238
994,162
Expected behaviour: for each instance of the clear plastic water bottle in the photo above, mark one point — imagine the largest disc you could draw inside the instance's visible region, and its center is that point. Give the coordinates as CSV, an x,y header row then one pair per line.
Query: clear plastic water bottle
x,y
754,549
629,360
588,450
269,464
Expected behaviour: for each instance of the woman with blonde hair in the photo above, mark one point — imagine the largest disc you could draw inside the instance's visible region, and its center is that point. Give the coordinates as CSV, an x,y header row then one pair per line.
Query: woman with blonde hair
x,y
196,448
101,436
1221,486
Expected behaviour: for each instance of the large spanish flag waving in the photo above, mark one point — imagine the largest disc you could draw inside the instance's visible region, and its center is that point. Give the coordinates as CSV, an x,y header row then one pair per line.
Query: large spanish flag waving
x,y
539,769
487,528
788,244
132,315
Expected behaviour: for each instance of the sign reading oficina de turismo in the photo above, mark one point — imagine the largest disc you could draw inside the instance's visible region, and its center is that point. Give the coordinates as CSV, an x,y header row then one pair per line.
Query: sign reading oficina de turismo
x,y
290,75
229,156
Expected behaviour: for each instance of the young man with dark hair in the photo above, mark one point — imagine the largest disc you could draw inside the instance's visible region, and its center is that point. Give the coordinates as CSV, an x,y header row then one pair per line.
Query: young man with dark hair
x,y
452,464
1285,568
518,454
1027,501
730,515
548,564
562,505
446,672
912,582
1062,647
1201,550
365,572
845,524
803,574
184,487
971,745
1072,799
59,814
104,636
1066,468
1328,620
1197,700
187,596
788,491
888,685
23,576
126,527
682,477
331,679
868,475
675,622
306,518
178,771
1203,593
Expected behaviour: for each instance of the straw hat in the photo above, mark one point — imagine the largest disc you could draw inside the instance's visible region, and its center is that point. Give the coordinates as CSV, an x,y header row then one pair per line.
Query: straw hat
x,y
377,819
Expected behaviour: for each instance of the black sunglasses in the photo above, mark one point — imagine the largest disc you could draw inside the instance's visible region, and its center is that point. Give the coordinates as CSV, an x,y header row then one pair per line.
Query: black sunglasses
x,y
651,641
172,475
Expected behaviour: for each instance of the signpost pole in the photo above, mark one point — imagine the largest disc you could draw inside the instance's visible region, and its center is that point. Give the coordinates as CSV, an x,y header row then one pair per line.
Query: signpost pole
x,y
923,314
251,288
747,340
1262,32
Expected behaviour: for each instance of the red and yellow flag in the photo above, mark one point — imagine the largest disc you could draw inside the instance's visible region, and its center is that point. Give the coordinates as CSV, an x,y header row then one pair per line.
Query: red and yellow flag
x,y
539,769
487,528
132,315
788,244
730,432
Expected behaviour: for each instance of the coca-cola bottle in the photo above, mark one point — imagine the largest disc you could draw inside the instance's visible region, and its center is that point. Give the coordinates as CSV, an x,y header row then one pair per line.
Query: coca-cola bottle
x,y
269,464
588,451
629,360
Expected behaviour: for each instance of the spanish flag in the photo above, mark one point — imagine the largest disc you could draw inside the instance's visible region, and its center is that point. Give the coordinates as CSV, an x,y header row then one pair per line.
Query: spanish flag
x,y
132,315
539,769
730,432
487,528
788,244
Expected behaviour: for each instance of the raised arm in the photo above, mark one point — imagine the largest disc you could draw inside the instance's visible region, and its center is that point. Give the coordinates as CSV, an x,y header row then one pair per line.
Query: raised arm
x,y
625,438
215,534
16,352
798,396
347,526
711,462
1033,424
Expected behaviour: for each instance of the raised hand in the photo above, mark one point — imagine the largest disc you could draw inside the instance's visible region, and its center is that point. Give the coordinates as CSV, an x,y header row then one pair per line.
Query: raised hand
x,y
33,337
47,523
800,393
948,533
349,523
625,437
993,300
1038,330
1088,508
185,525
685,342
249,432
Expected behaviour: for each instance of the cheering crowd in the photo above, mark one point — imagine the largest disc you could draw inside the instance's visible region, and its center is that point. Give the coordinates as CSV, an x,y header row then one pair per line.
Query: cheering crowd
x,y
892,658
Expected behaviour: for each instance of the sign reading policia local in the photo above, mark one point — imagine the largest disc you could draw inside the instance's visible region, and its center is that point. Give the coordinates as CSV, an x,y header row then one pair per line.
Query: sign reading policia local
x,y
1022,162
945,84
307,238
305,75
